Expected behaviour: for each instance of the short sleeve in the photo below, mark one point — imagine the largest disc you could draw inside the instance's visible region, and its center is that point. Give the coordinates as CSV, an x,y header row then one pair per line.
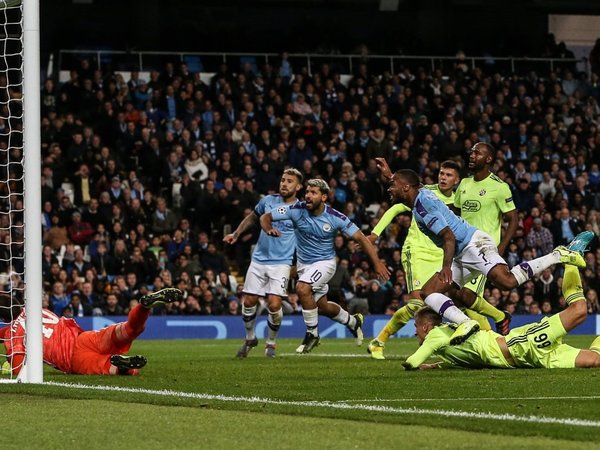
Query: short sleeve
x,y
430,215
348,227
504,199
283,211
457,201
260,207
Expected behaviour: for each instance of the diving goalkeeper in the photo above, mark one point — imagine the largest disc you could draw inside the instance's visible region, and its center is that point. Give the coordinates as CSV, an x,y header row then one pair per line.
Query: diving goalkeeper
x,y
71,350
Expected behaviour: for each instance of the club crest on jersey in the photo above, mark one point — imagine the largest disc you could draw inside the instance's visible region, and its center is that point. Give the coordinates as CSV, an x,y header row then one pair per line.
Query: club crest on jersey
x,y
281,210
326,227
482,192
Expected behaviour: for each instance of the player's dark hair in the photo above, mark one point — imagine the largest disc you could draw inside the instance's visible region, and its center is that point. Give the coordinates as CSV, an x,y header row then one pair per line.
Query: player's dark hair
x,y
427,314
449,164
410,176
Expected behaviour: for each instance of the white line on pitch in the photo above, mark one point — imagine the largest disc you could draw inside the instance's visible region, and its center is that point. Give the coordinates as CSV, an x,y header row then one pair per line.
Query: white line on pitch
x,y
336,405
460,399
326,355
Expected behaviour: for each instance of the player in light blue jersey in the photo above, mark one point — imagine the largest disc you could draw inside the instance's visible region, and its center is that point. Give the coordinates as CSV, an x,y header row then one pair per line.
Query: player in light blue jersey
x,y
468,252
316,225
269,271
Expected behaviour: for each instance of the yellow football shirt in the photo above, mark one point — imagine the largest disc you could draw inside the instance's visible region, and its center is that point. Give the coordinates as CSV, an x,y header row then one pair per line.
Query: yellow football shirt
x,y
482,203
479,351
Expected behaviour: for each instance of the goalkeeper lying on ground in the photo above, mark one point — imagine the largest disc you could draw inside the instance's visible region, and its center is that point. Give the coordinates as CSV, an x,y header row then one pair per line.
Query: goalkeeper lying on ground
x,y
534,345
71,350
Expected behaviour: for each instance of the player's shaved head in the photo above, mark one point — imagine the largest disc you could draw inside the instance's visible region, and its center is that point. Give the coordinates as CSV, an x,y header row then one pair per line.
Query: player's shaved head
x,y
409,176
489,148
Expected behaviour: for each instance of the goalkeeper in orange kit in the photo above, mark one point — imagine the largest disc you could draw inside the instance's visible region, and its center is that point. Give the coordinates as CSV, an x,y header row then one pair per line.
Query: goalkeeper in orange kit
x,y
71,350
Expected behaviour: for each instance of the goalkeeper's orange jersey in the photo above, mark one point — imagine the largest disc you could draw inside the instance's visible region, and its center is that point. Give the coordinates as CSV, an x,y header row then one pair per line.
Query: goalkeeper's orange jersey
x,y
59,336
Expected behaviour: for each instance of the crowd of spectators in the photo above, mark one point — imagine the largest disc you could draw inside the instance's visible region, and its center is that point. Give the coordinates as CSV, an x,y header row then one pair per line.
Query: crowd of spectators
x,y
141,177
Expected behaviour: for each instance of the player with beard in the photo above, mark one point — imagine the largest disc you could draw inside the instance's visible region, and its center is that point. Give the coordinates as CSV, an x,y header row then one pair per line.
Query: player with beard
x,y
269,271
316,225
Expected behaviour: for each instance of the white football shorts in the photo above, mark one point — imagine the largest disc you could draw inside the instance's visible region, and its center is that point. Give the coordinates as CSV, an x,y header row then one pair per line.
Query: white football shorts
x,y
318,275
266,279
478,257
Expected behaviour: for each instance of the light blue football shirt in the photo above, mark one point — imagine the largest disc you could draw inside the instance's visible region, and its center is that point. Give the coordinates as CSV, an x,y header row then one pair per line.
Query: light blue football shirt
x,y
432,216
315,235
271,250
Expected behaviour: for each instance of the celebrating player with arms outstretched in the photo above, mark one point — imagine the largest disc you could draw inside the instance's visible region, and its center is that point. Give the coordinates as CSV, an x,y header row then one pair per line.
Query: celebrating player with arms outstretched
x,y
535,345
316,225
71,350
269,271
468,252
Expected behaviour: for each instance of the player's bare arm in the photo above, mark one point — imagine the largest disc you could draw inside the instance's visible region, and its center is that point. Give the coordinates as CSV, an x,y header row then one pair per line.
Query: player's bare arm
x,y
380,268
448,246
248,222
513,222
266,223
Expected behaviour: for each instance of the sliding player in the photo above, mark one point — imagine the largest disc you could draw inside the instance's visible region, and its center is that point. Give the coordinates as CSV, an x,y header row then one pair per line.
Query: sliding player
x,y
421,258
537,345
468,252
71,350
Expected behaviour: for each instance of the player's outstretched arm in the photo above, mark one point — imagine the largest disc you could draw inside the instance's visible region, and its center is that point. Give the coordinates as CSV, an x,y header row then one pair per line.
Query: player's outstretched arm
x,y
384,168
266,223
380,268
387,218
248,221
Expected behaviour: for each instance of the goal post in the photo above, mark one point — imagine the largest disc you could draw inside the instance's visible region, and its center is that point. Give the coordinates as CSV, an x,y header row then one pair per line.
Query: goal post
x,y
21,190
32,184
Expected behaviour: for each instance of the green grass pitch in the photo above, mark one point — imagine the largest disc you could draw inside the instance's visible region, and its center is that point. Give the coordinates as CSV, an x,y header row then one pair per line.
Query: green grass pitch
x,y
195,394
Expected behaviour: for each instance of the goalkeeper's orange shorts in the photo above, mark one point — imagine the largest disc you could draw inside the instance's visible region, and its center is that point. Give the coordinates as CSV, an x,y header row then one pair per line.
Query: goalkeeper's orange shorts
x,y
91,355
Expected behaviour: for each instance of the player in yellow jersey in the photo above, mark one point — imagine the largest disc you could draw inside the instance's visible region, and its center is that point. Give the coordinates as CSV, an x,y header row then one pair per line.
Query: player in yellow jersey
x,y
537,345
421,258
484,201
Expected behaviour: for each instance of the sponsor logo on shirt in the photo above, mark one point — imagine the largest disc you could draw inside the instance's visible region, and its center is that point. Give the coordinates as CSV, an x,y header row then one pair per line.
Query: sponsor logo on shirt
x,y
471,206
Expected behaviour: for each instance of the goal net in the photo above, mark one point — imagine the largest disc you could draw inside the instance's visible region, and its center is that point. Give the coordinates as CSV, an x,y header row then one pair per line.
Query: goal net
x,y
19,141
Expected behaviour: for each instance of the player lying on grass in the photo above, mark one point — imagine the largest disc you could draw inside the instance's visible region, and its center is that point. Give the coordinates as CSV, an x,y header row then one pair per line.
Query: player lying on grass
x,y
71,350
468,252
421,258
537,345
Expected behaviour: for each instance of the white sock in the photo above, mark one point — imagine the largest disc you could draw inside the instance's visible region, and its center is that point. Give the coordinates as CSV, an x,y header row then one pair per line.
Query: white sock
x,y
527,270
249,318
342,316
445,308
311,319
274,322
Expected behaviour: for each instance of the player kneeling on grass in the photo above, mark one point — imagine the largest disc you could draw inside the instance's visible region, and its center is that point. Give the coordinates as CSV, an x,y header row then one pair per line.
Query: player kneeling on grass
x,y
537,345
71,350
